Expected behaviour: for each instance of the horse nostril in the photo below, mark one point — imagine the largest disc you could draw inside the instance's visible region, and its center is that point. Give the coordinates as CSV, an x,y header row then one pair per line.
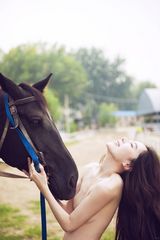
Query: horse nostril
x,y
72,182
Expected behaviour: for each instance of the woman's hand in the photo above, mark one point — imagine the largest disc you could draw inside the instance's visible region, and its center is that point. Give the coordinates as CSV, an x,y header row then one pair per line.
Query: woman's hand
x,y
39,178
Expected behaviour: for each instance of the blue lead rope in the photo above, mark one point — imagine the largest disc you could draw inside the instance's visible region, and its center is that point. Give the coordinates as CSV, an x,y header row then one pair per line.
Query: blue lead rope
x,y
43,217
36,162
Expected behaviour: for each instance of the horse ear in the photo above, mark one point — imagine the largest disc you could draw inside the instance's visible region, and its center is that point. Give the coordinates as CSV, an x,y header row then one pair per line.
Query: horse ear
x,y
42,84
10,87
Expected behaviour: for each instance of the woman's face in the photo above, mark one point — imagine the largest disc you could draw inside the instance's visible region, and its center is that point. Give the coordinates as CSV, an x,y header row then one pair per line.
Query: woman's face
x,y
124,149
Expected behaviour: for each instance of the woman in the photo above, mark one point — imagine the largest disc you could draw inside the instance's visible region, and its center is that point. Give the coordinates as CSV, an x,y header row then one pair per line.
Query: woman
x,y
128,176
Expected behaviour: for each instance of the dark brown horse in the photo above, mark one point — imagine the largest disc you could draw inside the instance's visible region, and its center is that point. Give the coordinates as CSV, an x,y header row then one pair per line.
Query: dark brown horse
x,y
34,115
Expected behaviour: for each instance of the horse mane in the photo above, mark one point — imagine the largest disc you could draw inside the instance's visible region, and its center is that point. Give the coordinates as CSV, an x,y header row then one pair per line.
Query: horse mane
x,y
38,95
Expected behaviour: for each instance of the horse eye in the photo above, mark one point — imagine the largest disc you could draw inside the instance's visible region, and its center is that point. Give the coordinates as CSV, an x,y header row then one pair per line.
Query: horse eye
x,y
36,121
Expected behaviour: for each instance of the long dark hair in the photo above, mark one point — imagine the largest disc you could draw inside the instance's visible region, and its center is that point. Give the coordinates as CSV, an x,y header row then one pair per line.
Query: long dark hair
x,y
138,216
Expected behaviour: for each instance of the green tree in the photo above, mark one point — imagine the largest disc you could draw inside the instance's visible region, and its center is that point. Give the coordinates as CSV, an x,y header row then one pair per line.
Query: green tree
x,y
30,63
1,54
121,82
96,66
53,104
106,78
69,76
23,64
139,87
105,115
90,110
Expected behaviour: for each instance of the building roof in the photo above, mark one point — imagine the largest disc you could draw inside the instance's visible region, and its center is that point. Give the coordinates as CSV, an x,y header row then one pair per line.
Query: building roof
x,y
149,101
125,113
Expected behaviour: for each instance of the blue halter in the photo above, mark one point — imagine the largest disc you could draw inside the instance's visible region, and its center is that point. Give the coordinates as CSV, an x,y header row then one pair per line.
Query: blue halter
x,y
35,160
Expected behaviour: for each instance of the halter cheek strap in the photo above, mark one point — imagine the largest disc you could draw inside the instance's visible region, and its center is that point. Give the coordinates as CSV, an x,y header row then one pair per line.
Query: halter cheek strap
x,y
24,140
4,133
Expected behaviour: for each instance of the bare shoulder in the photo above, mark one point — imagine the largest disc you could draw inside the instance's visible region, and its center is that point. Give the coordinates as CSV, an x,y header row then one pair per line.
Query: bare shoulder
x,y
111,186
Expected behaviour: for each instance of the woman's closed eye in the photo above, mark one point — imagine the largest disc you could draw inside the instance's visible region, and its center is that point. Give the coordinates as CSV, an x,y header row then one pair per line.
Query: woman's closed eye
x,y
131,144
134,145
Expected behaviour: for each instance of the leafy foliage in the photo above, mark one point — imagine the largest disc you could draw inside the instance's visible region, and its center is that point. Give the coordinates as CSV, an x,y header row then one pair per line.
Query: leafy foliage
x,y
105,115
53,104
28,63
139,87
106,79
23,64
86,76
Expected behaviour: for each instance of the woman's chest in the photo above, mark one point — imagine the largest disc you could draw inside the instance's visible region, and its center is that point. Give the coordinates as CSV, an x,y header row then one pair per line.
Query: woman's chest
x,y
87,186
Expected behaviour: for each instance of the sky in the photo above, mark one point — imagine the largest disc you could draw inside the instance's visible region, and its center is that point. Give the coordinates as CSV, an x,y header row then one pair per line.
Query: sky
x,y
126,28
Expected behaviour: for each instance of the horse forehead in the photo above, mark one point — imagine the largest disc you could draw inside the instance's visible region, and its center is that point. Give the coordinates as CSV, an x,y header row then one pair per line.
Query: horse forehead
x,y
34,108
38,105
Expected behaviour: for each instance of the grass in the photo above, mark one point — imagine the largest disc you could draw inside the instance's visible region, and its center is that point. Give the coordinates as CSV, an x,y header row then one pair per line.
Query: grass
x,y
108,235
11,237
33,233
9,217
10,221
14,225
34,206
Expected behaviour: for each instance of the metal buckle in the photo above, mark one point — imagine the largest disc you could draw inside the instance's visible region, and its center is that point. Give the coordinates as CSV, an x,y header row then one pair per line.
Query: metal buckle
x,y
13,110
14,114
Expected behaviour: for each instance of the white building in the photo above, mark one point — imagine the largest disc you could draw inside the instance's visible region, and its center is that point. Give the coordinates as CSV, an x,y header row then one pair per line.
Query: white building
x,y
149,109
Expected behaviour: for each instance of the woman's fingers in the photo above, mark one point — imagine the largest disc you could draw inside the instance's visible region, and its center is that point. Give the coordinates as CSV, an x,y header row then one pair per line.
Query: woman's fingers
x,y
31,168
29,161
41,168
43,173
40,179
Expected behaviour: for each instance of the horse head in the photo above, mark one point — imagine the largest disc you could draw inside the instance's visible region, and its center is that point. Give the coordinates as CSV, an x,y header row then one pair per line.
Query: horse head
x,y
34,115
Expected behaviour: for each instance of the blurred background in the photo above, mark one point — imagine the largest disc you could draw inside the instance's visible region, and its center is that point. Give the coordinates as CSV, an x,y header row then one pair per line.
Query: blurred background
x,y
104,56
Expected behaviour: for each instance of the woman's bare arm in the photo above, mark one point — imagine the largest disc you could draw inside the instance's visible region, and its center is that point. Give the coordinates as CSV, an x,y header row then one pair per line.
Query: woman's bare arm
x,y
90,205
67,205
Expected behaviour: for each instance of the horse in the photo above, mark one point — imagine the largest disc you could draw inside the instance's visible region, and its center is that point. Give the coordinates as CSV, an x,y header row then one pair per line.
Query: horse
x,y
32,112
